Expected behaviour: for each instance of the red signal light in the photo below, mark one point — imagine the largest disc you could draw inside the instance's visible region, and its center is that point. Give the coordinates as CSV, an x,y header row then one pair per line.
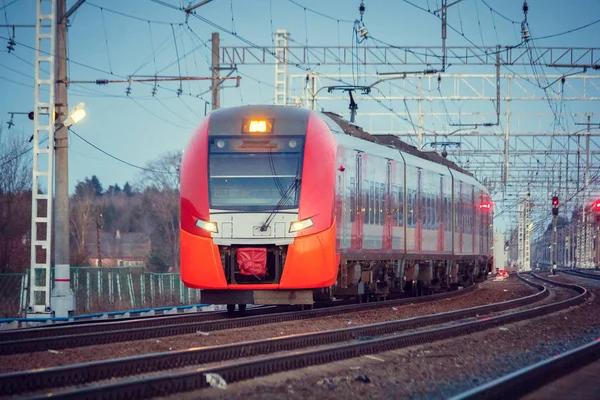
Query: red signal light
x,y
485,206
555,201
596,205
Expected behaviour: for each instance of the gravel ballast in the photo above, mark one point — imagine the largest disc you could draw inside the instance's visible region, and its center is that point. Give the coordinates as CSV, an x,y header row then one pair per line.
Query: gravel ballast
x,y
436,371
490,292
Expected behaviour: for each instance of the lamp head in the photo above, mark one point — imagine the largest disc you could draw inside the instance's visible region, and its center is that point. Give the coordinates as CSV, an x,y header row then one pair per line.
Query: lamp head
x,y
76,115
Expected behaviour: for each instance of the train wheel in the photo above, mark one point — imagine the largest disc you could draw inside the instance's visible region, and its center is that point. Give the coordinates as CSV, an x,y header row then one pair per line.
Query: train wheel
x,y
242,307
230,308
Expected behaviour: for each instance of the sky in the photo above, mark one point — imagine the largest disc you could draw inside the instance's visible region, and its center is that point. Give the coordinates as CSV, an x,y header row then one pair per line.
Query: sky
x,y
118,39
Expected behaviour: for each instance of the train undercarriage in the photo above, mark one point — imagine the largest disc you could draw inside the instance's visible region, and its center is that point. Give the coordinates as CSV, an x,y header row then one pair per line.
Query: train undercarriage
x,y
376,280
362,280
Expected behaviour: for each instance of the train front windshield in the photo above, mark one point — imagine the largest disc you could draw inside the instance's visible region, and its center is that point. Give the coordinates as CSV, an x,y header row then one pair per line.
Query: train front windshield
x,y
255,174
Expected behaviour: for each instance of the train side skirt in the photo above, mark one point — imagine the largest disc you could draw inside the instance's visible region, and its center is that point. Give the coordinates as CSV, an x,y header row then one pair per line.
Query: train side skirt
x,y
265,297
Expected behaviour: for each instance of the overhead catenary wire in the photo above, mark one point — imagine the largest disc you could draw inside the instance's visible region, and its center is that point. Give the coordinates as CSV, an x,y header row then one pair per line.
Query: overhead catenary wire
x,y
91,67
117,158
5,5
106,40
320,13
180,90
129,15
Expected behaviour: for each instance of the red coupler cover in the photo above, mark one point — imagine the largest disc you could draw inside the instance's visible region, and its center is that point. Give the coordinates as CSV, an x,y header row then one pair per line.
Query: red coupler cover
x,y
252,261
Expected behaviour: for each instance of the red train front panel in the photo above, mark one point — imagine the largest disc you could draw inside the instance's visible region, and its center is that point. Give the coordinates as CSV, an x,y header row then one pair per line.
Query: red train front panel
x,y
257,194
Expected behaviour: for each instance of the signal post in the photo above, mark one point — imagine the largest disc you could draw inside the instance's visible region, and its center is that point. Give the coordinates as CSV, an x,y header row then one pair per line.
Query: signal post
x,y
553,255
596,214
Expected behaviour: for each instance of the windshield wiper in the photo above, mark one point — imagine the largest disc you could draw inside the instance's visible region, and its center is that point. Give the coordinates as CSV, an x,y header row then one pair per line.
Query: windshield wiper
x,y
291,189
284,198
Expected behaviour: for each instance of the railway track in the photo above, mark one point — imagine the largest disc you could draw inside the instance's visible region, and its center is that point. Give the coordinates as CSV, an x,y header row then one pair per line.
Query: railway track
x,y
536,376
55,338
347,343
582,274
82,327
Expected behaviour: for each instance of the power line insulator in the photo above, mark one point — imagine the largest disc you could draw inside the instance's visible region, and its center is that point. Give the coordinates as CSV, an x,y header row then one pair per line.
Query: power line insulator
x,y
11,44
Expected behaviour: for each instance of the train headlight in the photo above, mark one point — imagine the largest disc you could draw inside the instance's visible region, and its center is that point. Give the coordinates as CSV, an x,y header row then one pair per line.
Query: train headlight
x,y
300,225
207,226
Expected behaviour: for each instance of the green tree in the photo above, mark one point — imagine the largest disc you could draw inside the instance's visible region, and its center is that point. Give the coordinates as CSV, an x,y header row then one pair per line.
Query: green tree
x,y
128,190
114,190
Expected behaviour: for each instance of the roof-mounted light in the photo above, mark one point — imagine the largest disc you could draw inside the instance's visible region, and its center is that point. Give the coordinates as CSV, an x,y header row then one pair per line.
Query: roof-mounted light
x,y
258,126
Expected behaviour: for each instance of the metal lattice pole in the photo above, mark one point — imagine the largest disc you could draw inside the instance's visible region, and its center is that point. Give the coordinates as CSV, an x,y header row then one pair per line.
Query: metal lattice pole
x,y
524,233
281,67
43,161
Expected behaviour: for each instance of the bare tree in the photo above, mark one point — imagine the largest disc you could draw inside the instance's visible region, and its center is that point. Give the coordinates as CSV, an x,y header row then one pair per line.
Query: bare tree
x,y
160,182
81,217
15,201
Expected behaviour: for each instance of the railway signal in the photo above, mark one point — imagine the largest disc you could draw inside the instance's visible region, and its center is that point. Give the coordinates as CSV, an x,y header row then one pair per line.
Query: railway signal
x,y
486,205
553,254
596,210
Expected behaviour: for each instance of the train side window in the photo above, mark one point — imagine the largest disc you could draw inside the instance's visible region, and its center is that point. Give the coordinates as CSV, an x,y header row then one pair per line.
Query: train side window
x,y
400,206
394,204
431,211
436,210
426,214
381,203
432,200
372,203
376,205
432,214
352,200
419,216
448,212
415,208
430,217
411,207
367,204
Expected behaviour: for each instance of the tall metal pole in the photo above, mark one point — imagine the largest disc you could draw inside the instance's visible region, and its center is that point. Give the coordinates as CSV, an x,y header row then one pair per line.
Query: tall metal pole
x,y
420,111
553,252
597,263
507,136
43,163
444,11
215,87
62,299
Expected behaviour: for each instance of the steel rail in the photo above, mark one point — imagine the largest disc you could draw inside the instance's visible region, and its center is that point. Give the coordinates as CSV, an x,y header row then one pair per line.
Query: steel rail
x,y
533,377
90,335
81,327
19,382
96,319
581,274
169,383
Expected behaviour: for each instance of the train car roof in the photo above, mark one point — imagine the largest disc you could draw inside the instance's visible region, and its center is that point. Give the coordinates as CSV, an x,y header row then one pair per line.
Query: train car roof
x,y
393,141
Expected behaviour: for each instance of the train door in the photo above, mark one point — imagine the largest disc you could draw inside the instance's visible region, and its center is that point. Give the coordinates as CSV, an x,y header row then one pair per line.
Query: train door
x,y
388,207
419,211
358,211
441,214
341,214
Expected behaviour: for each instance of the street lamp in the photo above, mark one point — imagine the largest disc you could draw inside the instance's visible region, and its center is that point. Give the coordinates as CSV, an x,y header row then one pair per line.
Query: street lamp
x,y
76,115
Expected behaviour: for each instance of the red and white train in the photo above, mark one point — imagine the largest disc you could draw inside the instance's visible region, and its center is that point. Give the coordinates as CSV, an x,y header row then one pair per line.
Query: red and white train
x,y
282,205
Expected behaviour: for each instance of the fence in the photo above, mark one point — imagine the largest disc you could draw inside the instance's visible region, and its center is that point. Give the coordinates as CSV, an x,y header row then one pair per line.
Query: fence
x,y
12,292
104,289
